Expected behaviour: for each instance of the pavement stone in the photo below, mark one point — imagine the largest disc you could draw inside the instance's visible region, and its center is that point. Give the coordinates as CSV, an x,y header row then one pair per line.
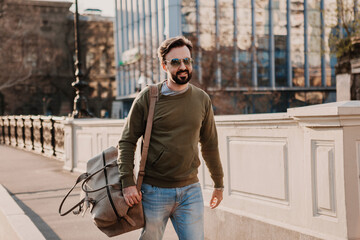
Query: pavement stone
x,y
38,184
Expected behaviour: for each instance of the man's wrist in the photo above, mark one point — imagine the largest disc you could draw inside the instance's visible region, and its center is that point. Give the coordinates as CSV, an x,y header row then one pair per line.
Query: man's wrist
x,y
127,182
219,189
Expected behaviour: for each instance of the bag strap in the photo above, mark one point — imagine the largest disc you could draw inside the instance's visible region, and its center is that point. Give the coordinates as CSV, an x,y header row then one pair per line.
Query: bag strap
x,y
108,188
79,204
153,97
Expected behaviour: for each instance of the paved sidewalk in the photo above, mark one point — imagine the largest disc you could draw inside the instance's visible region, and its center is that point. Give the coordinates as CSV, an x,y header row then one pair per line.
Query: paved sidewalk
x,y
38,184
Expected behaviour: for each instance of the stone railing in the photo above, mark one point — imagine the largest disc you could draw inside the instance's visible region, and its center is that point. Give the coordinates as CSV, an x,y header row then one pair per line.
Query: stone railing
x,y
84,138
291,175
40,134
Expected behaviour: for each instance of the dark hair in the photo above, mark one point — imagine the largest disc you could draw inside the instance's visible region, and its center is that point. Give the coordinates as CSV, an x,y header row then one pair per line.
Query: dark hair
x,y
171,43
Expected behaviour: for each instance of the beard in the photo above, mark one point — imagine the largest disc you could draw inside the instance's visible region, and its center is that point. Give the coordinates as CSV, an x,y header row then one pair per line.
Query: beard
x,y
181,80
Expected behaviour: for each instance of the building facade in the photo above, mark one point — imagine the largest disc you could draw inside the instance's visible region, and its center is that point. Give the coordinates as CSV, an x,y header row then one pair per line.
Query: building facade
x,y
36,71
37,58
97,44
251,56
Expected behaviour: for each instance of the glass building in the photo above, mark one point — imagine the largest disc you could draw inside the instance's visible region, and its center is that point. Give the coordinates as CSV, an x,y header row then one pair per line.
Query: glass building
x,y
251,56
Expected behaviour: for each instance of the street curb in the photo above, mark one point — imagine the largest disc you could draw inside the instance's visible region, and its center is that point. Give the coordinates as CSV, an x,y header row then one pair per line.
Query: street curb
x,y
14,224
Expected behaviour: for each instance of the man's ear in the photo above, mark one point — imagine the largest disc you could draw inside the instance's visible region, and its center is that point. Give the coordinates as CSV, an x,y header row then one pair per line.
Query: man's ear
x,y
163,65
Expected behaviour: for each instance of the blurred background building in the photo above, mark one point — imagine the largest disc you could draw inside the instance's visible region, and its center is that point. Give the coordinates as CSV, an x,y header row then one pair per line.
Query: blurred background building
x,y
35,68
251,56
37,58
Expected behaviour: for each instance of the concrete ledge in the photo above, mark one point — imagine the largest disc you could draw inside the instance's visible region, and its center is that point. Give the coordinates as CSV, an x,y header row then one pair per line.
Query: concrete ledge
x,y
14,224
221,223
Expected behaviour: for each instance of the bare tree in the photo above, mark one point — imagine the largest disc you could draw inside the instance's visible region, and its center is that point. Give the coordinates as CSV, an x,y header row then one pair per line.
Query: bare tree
x,y
15,64
32,60
346,34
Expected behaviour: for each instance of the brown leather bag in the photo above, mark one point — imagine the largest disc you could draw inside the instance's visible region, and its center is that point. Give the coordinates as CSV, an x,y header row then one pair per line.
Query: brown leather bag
x,y
101,189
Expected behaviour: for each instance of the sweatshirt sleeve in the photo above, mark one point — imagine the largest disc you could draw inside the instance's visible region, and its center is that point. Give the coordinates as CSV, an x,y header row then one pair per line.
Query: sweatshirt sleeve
x,y
209,146
134,128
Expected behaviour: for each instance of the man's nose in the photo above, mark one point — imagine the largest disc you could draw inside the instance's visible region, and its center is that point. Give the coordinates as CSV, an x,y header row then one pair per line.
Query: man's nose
x,y
182,65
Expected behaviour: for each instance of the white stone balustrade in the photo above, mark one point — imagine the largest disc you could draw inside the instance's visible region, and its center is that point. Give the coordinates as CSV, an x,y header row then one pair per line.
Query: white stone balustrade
x,y
291,175
85,138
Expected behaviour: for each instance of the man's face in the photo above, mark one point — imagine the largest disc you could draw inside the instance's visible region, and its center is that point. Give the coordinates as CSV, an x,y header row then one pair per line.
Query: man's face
x,y
181,73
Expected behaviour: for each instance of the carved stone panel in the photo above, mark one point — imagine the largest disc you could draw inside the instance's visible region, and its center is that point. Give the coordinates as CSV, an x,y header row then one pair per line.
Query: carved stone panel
x,y
255,174
323,177
84,150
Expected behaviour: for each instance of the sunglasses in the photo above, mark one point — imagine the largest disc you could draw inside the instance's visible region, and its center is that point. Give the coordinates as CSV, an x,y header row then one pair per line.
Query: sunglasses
x,y
176,62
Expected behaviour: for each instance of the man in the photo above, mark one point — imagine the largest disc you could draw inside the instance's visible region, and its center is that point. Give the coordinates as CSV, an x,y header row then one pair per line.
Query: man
x,y
183,118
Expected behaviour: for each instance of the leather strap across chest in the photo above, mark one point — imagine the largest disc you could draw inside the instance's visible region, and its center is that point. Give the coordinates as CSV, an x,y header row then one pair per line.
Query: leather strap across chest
x,y
153,97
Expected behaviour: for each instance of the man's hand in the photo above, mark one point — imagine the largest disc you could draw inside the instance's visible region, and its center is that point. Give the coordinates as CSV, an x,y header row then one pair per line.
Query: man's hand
x,y
216,198
131,196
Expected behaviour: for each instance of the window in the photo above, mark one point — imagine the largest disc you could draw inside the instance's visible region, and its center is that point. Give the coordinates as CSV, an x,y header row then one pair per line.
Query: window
x,y
244,41
89,59
314,42
103,64
297,42
262,42
279,15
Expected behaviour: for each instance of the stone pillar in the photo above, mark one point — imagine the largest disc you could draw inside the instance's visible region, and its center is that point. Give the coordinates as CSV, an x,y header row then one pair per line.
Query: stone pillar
x,y
332,157
343,85
69,144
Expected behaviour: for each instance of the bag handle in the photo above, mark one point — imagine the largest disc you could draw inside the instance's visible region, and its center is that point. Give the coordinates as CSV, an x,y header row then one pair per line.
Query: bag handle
x,y
112,164
79,179
153,97
86,177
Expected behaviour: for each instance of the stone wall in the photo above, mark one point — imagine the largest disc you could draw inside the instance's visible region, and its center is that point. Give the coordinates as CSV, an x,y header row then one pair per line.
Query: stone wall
x,y
291,175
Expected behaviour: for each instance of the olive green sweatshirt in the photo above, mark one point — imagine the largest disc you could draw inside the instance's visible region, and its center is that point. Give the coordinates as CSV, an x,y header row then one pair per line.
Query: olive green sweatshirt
x,y
180,123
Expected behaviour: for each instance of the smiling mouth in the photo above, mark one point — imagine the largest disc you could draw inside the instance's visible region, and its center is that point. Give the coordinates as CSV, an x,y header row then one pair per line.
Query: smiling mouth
x,y
183,74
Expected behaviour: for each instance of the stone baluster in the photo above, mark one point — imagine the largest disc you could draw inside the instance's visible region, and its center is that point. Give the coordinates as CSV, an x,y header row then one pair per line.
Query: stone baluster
x,y
2,136
48,133
7,130
20,130
29,134
59,137
13,133
38,134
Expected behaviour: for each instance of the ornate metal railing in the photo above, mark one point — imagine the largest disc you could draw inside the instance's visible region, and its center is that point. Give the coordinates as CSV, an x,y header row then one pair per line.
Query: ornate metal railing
x,y
41,134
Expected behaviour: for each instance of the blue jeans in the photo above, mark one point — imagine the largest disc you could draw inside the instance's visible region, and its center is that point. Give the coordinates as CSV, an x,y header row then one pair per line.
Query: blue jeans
x,y
184,206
